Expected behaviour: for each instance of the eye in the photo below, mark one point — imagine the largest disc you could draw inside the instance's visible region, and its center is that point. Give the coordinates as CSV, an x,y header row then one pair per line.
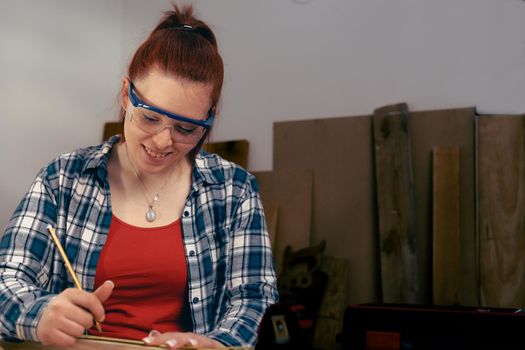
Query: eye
x,y
186,129
149,118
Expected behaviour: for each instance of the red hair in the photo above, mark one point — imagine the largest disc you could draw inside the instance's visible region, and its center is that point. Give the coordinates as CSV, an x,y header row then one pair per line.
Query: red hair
x,y
181,46
177,51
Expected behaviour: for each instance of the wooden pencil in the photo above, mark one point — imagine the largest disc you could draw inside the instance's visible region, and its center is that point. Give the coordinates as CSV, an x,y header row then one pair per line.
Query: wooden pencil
x,y
68,265
142,344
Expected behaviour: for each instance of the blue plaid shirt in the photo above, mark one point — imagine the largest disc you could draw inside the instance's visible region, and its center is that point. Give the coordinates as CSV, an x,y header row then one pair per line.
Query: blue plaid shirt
x,y
231,278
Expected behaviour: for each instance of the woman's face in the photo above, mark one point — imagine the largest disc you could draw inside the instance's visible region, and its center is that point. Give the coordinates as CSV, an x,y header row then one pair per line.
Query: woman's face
x,y
155,153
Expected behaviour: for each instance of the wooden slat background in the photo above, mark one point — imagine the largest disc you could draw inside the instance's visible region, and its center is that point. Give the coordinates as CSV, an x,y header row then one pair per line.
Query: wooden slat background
x,y
339,152
233,150
501,167
291,192
395,205
446,265
454,128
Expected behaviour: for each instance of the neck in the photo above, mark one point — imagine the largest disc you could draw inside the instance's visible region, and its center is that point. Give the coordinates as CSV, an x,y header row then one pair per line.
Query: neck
x,y
151,181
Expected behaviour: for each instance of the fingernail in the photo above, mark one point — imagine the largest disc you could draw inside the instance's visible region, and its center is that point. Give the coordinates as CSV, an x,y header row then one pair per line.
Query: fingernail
x,y
153,333
192,341
147,340
110,282
171,343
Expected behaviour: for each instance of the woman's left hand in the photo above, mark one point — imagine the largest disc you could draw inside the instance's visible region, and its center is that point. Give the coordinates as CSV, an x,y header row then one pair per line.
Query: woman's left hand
x,y
176,340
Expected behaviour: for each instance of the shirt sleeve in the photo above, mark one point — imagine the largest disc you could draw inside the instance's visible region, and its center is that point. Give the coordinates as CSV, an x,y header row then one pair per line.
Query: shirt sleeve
x,y
251,287
25,262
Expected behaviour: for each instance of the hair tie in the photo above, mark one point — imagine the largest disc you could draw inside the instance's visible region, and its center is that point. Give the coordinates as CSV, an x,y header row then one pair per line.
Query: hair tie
x,y
185,27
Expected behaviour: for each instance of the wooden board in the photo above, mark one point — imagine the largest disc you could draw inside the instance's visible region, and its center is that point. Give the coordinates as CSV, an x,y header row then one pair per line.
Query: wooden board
x,y
454,128
110,129
446,265
331,313
396,205
291,192
235,151
501,193
271,212
95,343
339,150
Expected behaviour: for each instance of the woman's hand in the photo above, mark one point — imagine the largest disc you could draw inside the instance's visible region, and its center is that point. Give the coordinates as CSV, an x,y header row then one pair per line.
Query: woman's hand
x,y
175,340
70,313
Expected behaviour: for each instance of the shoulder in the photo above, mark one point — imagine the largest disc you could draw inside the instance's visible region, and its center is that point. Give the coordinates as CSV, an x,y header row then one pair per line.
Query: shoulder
x,y
78,162
213,169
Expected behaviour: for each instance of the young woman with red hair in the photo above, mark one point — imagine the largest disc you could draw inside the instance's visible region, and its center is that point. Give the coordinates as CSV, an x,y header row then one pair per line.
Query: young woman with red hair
x,y
169,243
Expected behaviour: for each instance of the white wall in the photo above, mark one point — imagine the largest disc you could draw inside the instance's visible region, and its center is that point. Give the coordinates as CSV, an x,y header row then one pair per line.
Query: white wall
x,y
61,62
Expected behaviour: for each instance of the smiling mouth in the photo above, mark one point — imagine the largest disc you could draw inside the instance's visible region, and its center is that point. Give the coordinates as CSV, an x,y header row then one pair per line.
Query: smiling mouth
x,y
155,154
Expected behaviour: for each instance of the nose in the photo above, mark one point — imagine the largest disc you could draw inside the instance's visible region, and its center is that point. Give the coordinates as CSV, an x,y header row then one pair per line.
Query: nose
x,y
163,138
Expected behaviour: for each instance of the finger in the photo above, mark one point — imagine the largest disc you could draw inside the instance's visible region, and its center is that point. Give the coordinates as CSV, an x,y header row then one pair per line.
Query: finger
x,y
175,340
90,302
74,328
80,317
59,338
104,291
157,338
172,343
193,342
65,308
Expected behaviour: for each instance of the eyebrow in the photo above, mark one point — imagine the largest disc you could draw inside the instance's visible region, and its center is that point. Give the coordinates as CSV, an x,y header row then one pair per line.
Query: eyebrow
x,y
137,102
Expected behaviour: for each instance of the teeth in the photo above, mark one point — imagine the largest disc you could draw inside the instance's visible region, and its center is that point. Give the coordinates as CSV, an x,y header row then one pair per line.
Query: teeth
x,y
154,154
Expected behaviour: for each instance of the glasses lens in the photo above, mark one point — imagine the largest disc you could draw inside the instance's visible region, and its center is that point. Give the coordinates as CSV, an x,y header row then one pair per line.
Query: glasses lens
x,y
153,123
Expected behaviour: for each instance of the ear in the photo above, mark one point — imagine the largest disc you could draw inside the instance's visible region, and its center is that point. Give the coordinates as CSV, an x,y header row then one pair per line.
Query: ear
x,y
124,99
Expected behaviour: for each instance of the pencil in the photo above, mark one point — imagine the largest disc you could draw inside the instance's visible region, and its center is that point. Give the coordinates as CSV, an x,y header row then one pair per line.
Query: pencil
x,y
68,265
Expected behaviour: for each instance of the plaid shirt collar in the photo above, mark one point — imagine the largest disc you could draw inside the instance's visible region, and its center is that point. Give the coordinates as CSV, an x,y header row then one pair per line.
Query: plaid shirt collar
x,y
98,162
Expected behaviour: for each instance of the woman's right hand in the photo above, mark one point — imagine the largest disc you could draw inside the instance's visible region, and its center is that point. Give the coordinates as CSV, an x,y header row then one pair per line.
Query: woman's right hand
x,y
70,313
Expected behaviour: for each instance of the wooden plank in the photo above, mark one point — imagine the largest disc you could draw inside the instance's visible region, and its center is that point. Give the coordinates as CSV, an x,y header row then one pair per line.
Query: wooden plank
x,y
110,129
395,202
331,313
271,211
97,343
235,151
291,192
454,128
339,152
446,226
501,192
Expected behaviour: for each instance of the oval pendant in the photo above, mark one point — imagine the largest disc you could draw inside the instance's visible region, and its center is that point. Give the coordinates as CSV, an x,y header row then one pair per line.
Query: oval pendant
x,y
150,215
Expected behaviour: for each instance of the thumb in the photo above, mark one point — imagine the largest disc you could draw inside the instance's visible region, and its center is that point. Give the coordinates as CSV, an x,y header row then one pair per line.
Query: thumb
x,y
104,291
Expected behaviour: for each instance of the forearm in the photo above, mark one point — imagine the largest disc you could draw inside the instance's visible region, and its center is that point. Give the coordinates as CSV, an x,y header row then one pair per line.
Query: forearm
x,y
243,313
21,304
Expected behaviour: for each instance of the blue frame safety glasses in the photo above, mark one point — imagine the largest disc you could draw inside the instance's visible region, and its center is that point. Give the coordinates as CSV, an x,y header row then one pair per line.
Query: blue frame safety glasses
x,y
185,130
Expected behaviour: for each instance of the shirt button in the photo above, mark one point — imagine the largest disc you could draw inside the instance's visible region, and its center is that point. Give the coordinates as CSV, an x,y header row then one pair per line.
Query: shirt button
x,y
192,252
186,213
195,300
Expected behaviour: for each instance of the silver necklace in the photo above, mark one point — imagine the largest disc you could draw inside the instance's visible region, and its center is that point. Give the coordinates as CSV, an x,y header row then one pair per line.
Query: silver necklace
x,y
151,214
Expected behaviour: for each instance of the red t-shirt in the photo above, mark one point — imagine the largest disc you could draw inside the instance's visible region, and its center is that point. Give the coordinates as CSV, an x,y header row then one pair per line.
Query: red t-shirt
x,y
148,267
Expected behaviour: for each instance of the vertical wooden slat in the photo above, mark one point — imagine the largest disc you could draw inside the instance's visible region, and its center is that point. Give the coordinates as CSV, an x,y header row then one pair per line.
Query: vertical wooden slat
x,y
446,264
291,192
395,201
501,193
339,151
235,151
330,319
454,128
271,212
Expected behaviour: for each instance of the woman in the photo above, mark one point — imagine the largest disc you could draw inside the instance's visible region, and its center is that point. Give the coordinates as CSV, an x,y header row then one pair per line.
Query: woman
x,y
169,244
